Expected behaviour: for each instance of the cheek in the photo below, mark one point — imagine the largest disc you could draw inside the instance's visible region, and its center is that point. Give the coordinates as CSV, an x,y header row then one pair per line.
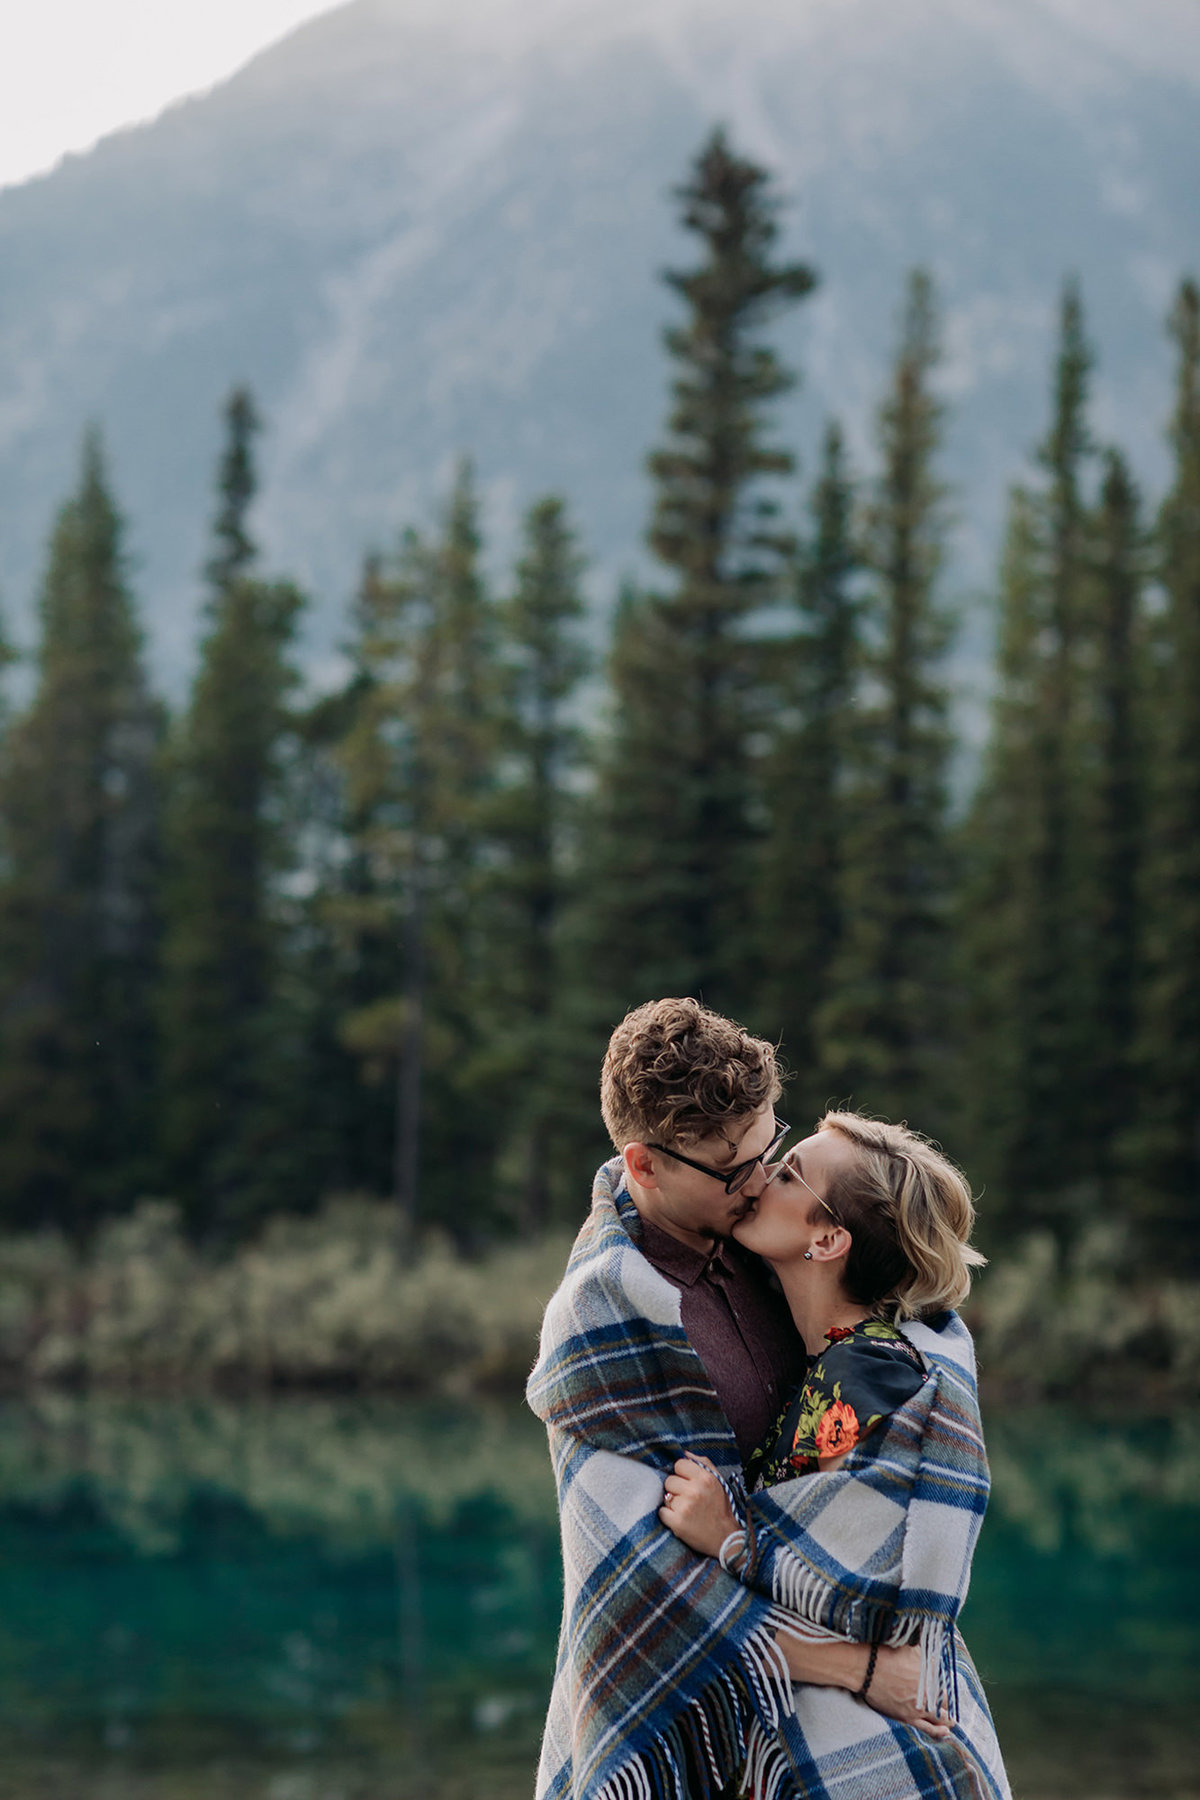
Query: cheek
x,y
779,1213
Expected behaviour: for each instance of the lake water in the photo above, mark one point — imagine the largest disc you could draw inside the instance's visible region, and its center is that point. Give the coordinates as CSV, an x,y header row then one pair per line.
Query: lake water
x,y
358,1600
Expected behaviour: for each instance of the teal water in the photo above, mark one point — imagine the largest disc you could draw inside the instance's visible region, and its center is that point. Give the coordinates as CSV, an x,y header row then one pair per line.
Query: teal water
x,y
339,1600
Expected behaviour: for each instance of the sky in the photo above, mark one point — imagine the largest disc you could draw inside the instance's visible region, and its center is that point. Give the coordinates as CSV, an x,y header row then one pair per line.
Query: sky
x,y
73,70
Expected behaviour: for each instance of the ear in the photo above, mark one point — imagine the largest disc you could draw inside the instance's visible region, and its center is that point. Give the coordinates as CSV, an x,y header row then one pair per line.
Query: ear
x,y
833,1243
640,1165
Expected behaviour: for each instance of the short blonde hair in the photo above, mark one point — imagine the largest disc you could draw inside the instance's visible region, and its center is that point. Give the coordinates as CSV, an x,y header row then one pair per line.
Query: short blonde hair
x,y
909,1212
678,1072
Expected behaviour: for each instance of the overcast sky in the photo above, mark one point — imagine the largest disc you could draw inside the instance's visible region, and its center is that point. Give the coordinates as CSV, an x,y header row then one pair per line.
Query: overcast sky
x,y
72,70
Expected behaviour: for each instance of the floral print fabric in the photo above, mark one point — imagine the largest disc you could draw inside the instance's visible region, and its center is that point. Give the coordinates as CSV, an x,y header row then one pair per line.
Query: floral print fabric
x,y
859,1379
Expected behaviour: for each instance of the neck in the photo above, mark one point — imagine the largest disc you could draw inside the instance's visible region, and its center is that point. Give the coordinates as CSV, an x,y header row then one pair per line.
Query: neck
x,y
817,1301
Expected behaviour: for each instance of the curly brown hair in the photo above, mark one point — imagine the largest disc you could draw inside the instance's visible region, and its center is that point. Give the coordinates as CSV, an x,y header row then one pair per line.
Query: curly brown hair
x,y
676,1072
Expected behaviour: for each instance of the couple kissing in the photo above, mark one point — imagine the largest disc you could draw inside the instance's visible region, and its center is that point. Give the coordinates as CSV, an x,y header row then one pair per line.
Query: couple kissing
x,y
764,1426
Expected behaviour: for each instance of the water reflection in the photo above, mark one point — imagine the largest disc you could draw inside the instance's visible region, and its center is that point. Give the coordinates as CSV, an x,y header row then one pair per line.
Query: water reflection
x,y
333,1600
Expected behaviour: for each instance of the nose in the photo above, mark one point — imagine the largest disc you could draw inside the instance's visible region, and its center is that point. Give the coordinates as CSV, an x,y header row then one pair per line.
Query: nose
x,y
754,1183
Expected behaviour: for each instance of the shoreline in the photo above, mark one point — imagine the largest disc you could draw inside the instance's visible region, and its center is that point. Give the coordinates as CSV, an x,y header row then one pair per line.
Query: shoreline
x,y
337,1305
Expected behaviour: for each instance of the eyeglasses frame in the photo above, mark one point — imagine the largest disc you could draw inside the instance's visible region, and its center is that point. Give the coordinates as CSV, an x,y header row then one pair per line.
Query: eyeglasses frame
x,y
732,1180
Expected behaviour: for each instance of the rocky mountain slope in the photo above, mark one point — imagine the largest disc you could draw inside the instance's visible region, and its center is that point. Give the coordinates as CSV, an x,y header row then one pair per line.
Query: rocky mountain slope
x,y
419,228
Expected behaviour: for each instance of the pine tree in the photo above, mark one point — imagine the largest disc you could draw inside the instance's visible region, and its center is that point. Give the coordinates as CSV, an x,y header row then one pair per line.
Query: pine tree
x,y
997,903
1119,807
354,936
533,821
1057,1111
421,767
1167,1141
382,904
78,925
227,1047
807,778
237,482
883,1032
678,783
1032,838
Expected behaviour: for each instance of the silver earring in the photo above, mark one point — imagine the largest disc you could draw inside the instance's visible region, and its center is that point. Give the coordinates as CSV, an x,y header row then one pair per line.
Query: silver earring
x,y
808,1256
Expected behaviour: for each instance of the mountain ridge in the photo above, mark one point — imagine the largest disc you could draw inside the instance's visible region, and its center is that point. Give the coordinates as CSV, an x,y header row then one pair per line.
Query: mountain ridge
x,y
417,239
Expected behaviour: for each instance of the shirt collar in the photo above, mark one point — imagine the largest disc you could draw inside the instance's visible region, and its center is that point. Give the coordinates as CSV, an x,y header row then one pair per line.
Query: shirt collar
x,y
679,1260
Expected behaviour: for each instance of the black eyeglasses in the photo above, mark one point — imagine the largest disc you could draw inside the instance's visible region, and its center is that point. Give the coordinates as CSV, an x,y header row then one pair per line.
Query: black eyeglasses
x,y
732,1180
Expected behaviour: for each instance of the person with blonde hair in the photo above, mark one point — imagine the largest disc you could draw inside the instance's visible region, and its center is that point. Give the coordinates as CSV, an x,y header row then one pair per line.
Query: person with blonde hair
x,y
862,1505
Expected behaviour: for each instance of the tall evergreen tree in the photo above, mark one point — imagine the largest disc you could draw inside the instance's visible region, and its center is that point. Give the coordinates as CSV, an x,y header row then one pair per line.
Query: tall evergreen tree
x,y
355,951
534,817
78,925
421,767
226,1124
237,482
1031,921
1119,807
883,1032
998,896
1167,1143
808,777
1057,1113
678,784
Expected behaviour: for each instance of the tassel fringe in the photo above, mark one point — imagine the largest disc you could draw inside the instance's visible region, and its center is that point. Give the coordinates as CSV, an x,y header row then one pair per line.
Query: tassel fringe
x,y
812,1603
714,1735
767,1767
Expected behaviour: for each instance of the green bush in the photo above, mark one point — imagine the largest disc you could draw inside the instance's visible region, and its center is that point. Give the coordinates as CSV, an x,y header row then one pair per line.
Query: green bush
x,y
337,1300
340,1301
1079,1324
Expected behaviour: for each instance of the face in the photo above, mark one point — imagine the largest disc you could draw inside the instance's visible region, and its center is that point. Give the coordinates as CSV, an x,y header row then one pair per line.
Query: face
x,y
693,1206
786,1217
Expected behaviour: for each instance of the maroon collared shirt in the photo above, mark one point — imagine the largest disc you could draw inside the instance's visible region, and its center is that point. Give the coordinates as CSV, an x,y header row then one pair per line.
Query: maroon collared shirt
x,y
739,1326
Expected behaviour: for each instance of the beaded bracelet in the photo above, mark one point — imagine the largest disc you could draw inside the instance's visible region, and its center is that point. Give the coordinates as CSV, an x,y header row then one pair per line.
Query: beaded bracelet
x,y
861,1693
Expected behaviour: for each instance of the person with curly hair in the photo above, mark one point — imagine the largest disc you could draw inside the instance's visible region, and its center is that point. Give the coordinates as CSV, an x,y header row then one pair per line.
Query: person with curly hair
x,y
667,1340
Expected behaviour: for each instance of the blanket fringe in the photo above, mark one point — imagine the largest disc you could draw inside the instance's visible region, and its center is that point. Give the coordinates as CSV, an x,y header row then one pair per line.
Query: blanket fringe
x,y
817,1611
811,1598
937,1688
712,1736
767,1768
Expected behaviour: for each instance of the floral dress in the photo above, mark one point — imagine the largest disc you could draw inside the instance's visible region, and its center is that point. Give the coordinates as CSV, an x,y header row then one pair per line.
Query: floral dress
x,y
857,1381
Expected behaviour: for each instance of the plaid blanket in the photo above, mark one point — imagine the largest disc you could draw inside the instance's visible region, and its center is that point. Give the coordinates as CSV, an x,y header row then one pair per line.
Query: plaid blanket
x,y
669,1681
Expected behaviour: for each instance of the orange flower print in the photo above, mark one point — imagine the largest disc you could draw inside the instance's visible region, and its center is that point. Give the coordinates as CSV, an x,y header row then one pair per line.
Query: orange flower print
x,y
838,1429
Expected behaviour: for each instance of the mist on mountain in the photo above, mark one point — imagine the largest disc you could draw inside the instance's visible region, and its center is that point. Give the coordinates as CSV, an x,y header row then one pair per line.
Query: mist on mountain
x,y
417,231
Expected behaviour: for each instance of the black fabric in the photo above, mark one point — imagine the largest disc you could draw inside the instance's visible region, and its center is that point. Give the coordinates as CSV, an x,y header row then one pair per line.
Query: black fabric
x,y
859,1379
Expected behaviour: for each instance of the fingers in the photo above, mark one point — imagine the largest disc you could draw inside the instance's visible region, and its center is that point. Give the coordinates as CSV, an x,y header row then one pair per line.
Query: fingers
x,y
931,1730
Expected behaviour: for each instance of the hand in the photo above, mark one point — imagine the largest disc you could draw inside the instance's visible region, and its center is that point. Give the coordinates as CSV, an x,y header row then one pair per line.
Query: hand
x,y
696,1507
893,1691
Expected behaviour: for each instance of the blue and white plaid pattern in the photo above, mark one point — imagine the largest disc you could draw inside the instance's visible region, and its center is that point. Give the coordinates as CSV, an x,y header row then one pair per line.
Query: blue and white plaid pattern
x,y
669,1680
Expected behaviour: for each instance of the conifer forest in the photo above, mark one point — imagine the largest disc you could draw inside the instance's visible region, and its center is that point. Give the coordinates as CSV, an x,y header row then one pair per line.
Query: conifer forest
x,y
274,945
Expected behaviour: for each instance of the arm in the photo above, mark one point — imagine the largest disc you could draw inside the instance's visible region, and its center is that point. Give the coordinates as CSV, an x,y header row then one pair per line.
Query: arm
x,y
696,1510
837,1663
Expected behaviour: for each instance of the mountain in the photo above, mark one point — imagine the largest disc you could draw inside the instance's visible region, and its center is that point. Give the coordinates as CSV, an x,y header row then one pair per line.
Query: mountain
x,y
421,227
